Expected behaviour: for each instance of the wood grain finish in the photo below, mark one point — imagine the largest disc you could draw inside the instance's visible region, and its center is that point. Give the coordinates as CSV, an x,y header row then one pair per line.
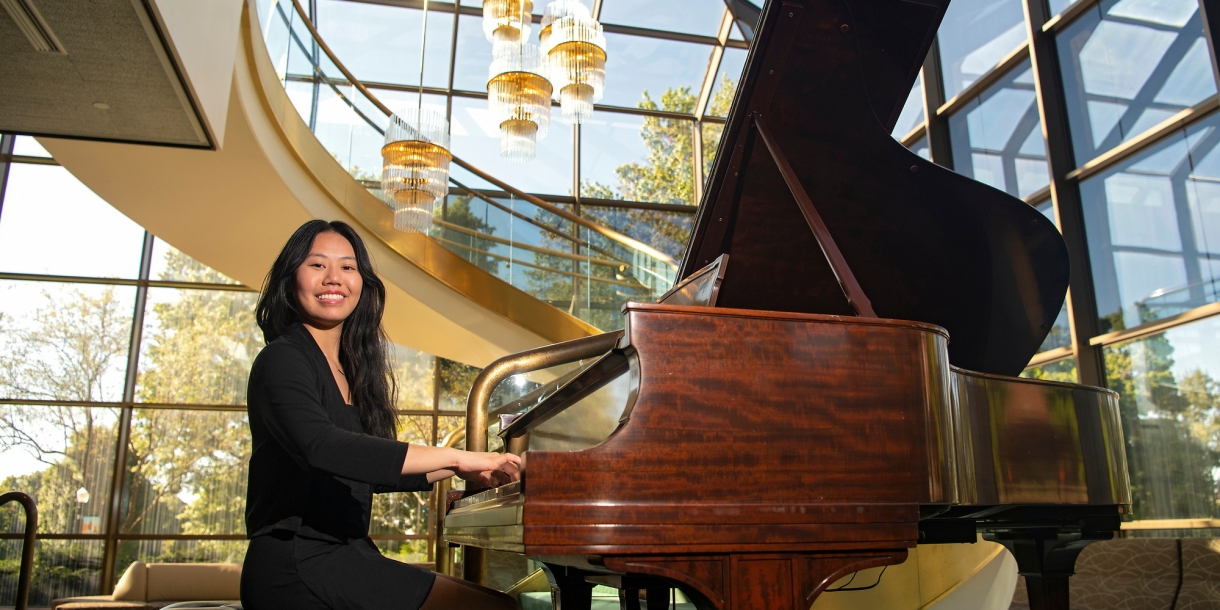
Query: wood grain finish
x,y
727,473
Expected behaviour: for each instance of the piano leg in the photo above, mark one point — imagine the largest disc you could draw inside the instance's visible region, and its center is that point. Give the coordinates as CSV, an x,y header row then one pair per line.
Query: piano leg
x,y
569,589
1047,560
658,598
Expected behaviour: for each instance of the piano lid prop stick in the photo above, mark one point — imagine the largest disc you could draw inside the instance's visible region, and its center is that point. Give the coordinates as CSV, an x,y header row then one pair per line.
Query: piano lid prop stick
x,y
847,280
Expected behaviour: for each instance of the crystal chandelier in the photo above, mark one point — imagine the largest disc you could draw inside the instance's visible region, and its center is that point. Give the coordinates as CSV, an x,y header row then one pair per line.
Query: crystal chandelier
x,y
576,51
507,21
415,172
519,98
415,159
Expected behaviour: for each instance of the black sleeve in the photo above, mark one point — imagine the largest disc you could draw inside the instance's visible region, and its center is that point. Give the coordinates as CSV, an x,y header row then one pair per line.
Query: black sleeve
x,y
287,402
407,482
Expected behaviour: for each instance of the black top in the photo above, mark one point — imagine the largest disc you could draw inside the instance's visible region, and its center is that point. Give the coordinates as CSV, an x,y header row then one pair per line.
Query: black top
x,y
313,470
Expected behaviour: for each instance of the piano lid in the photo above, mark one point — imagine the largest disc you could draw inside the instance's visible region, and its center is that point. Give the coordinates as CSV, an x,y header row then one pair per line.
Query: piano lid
x,y
827,79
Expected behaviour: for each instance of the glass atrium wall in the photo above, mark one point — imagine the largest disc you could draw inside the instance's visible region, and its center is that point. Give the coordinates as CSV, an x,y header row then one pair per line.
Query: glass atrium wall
x,y
122,394
1101,113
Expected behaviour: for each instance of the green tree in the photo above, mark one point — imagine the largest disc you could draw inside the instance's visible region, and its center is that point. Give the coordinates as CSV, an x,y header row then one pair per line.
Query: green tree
x,y
665,175
1171,428
71,349
1061,370
463,234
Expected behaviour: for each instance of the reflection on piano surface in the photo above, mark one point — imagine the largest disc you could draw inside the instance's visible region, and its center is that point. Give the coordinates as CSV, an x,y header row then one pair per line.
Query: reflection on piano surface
x,y
841,391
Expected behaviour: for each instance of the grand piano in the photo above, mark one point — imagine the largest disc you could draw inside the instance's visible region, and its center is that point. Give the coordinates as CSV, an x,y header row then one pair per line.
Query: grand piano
x,y
833,381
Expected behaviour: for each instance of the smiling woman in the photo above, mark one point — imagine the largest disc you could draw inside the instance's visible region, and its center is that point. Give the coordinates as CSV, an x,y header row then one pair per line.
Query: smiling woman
x,y
323,428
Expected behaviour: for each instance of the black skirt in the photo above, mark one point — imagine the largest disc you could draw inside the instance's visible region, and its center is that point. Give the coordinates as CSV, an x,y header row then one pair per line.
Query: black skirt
x,y
285,570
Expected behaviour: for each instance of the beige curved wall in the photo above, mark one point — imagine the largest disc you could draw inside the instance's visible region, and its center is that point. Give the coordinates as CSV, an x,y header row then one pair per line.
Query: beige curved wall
x,y
979,576
234,207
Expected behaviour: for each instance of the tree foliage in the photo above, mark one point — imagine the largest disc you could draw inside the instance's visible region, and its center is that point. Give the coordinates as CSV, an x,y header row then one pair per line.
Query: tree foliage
x,y
457,211
1172,429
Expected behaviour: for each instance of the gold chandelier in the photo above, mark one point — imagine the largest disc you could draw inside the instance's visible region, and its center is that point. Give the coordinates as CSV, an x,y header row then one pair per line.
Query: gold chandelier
x,y
575,48
415,172
519,98
507,21
415,158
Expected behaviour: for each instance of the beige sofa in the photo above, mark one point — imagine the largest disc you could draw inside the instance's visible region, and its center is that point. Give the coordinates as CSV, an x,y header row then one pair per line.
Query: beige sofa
x,y
151,586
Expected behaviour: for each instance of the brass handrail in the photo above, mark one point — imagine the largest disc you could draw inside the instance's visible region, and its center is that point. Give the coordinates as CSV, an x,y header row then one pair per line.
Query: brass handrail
x,y
473,558
443,555
27,548
558,211
525,362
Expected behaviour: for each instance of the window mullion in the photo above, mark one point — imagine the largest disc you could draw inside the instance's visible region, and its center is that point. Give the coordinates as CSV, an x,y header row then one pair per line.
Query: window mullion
x,y
1065,193
113,517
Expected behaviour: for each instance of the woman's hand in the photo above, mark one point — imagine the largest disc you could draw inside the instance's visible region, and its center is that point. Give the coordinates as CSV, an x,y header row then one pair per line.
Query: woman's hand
x,y
488,468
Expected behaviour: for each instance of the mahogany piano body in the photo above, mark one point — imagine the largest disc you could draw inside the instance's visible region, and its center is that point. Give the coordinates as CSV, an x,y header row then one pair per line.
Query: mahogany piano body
x,y
824,416
762,455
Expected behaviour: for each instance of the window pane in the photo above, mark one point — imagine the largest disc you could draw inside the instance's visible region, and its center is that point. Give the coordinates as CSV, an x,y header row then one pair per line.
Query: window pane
x,y
640,69
381,43
28,146
403,512
397,99
1061,332
711,143
456,380
198,346
90,237
62,568
169,264
406,551
1153,226
1059,370
64,458
665,231
447,425
920,147
637,158
1130,64
1058,6
413,370
177,551
974,36
476,139
1170,400
689,16
186,472
997,137
472,57
540,258
732,63
616,279
415,429
64,341
912,111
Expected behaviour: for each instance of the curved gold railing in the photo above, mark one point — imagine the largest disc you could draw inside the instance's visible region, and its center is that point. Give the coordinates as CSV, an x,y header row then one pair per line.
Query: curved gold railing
x,y
550,253
27,546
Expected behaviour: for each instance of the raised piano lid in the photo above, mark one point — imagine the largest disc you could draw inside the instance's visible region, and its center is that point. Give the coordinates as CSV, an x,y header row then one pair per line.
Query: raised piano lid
x,y
828,78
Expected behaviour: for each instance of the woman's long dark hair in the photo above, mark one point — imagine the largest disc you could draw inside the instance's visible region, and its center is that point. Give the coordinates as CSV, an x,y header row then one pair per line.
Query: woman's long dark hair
x,y
363,347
